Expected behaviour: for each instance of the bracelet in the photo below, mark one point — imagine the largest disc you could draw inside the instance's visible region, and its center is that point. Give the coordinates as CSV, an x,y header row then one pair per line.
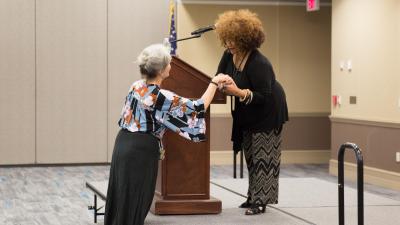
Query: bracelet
x,y
212,82
250,98
245,96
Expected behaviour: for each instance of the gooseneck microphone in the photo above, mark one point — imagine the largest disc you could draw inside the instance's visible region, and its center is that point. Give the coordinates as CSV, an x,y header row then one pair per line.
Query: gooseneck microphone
x,y
203,30
195,34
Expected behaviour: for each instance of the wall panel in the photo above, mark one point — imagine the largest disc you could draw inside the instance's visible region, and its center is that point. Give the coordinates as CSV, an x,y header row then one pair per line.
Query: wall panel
x,y
133,25
71,81
17,82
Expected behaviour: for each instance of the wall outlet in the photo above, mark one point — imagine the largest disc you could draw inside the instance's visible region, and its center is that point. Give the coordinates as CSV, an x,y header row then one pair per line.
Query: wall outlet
x,y
349,65
353,99
341,65
397,156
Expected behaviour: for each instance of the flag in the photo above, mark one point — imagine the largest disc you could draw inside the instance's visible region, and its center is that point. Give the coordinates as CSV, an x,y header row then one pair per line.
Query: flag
x,y
172,28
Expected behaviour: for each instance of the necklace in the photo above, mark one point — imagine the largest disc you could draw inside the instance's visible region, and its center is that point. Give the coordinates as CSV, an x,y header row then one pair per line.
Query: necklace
x,y
235,73
236,70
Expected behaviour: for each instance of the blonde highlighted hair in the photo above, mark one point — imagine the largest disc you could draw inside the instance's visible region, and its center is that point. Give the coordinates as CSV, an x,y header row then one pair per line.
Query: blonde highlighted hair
x,y
242,27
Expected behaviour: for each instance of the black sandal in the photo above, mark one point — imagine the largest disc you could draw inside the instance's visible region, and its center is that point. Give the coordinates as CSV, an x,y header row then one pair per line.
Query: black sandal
x,y
246,204
255,209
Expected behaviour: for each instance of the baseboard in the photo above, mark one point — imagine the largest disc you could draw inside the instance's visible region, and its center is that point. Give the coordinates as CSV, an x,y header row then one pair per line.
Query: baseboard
x,y
306,156
288,157
372,175
55,164
221,157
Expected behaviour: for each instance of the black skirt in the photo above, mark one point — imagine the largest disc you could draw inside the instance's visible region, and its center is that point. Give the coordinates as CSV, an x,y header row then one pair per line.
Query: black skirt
x,y
133,176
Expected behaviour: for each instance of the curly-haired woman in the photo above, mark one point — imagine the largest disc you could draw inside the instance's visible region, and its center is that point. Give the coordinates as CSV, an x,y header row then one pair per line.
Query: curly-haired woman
x,y
258,105
148,111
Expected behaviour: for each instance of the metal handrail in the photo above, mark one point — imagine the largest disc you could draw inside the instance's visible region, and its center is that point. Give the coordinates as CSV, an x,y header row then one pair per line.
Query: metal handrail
x,y
360,181
241,164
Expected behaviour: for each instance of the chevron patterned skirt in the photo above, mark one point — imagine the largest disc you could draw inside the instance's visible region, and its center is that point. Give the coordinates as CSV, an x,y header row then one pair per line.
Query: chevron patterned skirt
x,y
263,156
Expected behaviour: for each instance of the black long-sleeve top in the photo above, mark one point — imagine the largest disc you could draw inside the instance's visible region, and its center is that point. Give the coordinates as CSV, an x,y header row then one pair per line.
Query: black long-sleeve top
x,y
268,109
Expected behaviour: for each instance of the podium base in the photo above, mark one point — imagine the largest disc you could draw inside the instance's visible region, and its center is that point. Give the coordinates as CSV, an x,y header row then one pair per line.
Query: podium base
x,y
184,207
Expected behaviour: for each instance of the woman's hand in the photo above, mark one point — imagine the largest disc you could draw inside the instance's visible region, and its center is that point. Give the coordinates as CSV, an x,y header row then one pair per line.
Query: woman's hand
x,y
227,85
222,79
232,89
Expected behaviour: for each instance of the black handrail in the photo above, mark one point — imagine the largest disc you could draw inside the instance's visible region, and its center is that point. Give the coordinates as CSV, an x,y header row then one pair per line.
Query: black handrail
x,y
241,164
360,182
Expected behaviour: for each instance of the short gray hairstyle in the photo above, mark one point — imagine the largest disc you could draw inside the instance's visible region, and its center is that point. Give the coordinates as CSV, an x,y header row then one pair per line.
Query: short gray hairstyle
x,y
153,59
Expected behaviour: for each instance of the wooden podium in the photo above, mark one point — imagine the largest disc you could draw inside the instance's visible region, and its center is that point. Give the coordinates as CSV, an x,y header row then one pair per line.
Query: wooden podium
x,y
183,182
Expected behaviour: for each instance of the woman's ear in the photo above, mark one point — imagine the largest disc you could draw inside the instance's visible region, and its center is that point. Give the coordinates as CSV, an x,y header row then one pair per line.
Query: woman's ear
x,y
165,72
162,73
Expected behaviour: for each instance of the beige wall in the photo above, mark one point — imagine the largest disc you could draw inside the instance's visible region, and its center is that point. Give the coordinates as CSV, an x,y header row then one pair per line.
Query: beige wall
x,y
71,43
367,32
74,65
17,82
297,44
398,56
133,25
65,68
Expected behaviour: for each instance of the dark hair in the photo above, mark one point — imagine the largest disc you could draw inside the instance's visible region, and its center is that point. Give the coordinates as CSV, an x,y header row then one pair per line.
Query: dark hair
x,y
147,74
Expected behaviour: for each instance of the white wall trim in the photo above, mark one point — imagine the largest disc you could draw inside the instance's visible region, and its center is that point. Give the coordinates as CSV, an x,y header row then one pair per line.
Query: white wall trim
x,y
291,114
306,156
220,115
272,3
309,114
365,122
288,157
372,175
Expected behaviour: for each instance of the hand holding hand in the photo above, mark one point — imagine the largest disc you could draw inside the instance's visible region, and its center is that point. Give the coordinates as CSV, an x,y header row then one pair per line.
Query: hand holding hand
x,y
222,79
231,89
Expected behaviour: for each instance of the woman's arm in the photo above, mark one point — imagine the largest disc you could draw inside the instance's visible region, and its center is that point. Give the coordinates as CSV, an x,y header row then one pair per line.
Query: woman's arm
x,y
261,76
212,87
185,116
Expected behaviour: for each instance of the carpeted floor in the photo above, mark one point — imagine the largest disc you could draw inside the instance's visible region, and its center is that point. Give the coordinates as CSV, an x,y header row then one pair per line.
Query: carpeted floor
x,y
309,192
315,201
58,196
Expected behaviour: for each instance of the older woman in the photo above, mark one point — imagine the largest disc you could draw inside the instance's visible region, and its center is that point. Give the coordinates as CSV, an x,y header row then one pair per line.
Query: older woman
x,y
258,105
147,112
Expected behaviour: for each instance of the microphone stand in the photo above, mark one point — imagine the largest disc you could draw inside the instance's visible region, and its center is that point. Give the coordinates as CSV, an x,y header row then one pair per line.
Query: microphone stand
x,y
187,38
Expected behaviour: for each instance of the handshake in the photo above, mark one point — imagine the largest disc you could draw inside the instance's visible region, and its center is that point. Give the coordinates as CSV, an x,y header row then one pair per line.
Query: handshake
x,y
226,84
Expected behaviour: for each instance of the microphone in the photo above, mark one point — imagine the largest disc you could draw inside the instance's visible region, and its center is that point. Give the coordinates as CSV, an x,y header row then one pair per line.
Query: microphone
x,y
203,30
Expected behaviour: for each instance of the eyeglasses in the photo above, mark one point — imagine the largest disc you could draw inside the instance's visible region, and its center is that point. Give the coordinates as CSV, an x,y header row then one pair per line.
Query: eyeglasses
x,y
229,44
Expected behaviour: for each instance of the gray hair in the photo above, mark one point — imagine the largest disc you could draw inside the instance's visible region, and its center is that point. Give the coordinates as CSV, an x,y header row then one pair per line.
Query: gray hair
x,y
153,59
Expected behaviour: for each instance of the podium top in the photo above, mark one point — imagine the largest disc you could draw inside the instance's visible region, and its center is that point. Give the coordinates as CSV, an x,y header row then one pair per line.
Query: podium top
x,y
189,82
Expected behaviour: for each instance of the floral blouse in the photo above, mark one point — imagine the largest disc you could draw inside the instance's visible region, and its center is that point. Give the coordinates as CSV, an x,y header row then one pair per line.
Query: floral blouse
x,y
150,109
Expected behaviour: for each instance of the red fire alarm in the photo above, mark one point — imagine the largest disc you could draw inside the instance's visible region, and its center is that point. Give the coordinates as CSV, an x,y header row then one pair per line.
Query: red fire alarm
x,y
312,5
336,100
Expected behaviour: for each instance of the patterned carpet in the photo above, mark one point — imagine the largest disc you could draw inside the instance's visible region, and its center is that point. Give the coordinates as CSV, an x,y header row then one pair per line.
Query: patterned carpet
x,y
57,195
47,195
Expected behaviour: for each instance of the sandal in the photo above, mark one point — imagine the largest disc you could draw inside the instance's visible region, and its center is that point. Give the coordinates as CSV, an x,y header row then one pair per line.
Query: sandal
x,y
255,209
246,204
